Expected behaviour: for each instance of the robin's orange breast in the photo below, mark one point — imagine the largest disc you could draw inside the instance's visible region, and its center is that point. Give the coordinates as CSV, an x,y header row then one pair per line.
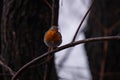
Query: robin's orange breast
x,y
52,38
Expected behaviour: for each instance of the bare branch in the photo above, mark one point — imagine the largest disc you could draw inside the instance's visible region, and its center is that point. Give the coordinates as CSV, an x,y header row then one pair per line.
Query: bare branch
x,y
6,67
22,69
115,24
55,12
82,21
47,3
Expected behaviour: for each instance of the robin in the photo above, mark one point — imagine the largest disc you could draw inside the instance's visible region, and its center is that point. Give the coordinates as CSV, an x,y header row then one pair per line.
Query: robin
x,y
53,38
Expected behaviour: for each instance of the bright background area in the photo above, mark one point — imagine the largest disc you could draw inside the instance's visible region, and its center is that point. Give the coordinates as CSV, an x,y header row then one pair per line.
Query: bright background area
x,y
72,63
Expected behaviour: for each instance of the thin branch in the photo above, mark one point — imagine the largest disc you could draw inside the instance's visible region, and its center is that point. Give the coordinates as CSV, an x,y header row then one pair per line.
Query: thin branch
x,y
115,24
45,73
7,67
22,69
82,21
103,67
55,12
47,3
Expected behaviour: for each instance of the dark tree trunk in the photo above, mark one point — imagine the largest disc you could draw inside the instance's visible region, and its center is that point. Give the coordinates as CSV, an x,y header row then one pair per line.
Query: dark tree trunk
x,y
104,56
23,24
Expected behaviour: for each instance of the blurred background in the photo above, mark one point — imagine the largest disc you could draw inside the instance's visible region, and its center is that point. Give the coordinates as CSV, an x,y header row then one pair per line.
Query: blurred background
x,y
23,24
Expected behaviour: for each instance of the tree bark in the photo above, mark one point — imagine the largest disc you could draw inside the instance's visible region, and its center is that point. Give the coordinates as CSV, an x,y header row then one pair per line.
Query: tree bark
x,y
23,24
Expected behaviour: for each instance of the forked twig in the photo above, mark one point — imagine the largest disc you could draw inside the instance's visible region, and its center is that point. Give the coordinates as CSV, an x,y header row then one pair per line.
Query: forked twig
x,y
82,21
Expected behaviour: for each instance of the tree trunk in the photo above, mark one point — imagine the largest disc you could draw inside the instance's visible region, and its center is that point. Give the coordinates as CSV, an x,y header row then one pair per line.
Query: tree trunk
x,y
23,24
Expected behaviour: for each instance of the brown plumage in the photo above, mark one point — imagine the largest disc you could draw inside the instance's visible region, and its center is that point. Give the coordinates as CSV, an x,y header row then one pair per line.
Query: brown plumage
x,y
53,37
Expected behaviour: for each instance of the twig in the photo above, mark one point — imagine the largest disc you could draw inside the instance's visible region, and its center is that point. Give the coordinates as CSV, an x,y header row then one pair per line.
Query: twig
x,y
47,3
55,13
46,65
7,67
115,24
102,68
45,73
82,21
22,69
